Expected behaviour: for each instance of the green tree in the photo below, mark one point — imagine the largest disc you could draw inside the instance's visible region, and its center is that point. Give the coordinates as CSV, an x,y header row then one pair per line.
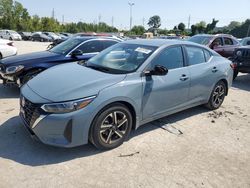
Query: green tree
x,y
181,27
154,22
201,27
211,26
138,30
193,29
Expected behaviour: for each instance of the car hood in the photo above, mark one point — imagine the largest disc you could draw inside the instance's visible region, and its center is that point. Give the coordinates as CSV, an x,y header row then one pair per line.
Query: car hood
x,y
71,81
29,58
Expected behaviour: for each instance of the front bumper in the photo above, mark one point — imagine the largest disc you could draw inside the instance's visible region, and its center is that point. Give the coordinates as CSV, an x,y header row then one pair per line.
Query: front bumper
x,y
61,130
13,79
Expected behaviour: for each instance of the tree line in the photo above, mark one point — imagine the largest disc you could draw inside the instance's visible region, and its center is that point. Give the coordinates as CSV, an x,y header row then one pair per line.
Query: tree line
x,y
15,17
237,29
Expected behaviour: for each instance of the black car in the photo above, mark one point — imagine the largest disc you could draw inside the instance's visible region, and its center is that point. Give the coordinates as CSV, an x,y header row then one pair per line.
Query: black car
x,y
41,37
25,35
241,60
20,69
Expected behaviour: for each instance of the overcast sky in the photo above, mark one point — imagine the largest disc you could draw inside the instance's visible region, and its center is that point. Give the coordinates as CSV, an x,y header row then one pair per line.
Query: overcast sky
x,y
171,12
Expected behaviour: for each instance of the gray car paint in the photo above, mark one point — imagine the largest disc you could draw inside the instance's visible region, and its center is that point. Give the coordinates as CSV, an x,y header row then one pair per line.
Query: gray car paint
x,y
151,98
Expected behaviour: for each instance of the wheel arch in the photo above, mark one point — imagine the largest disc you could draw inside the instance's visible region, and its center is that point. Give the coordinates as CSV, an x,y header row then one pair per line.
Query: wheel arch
x,y
226,84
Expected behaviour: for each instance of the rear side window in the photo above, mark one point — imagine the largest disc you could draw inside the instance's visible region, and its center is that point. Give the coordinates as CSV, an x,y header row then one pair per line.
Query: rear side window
x,y
171,58
195,55
108,43
228,41
218,42
91,47
207,55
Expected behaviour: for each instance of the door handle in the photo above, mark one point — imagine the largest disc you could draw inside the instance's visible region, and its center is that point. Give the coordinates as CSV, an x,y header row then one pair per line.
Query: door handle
x,y
214,69
183,77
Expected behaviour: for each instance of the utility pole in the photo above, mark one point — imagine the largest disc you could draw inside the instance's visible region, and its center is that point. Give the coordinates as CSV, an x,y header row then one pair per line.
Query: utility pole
x,y
189,19
143,22
53,13
112,21
248,31
99,18
131,18
62,19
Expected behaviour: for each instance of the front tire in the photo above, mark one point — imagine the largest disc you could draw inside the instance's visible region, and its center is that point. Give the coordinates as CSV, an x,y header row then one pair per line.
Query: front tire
x,y
111,127
217,97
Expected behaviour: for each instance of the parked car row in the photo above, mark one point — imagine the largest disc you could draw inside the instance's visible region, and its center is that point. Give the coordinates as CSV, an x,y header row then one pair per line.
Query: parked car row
x,y
36,36
103,96
19,69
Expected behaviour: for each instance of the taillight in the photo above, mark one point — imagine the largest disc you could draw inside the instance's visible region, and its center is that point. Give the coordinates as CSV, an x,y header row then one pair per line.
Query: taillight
x,y
10,44
233,65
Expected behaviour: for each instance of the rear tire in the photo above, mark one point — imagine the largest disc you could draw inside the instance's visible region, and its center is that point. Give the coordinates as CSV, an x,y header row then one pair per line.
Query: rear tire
x,y
10,38
217,96
111,127
236,72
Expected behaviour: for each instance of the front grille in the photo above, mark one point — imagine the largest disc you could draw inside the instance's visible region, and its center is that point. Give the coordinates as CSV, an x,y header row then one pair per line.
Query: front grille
x,y
246,53
30,111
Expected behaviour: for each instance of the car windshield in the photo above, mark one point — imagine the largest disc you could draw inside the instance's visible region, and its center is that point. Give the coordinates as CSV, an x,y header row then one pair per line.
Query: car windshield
x,y
66,46
204,40
245,41
121,58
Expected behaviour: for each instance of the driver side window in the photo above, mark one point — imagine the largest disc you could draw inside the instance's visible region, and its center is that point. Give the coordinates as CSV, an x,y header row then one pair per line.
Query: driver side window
x,y
171,58
91,47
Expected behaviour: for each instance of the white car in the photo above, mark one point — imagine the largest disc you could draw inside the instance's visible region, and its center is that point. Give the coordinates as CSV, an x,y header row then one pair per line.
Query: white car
x,y
10,35
7,49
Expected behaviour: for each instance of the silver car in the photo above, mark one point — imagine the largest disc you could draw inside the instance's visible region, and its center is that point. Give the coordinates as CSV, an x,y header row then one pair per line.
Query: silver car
x,y
122,88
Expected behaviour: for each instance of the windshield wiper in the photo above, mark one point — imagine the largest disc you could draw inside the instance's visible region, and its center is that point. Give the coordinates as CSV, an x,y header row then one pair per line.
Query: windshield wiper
x,y
99,68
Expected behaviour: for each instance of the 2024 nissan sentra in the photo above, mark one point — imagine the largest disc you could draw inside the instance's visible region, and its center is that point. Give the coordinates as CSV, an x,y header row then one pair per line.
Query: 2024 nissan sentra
x,y
125,86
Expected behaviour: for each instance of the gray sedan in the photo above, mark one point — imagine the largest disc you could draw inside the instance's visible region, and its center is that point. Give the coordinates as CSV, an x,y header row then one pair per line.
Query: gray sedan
x,y
122,88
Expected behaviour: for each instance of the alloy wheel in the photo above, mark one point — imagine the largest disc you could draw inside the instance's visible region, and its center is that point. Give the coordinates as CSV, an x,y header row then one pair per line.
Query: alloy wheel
x,y
218,95
113,127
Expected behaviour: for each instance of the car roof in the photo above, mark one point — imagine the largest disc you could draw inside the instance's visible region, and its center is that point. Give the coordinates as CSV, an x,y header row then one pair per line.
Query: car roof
x,y
160,42
96,37
217,35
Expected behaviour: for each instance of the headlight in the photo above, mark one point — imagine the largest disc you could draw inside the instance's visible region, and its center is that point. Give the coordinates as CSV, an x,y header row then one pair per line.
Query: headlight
x,y
239,53
66,107
14,69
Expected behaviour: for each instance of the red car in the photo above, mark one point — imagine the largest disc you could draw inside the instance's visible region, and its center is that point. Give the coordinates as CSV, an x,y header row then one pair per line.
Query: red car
x,y
222,43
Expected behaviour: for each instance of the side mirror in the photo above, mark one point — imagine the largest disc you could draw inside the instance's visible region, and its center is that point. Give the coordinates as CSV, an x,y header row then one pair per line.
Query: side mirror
x,y
158,70
76,53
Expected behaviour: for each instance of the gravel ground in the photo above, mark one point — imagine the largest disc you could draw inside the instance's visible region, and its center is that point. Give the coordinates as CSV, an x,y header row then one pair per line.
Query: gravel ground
x,y
194,148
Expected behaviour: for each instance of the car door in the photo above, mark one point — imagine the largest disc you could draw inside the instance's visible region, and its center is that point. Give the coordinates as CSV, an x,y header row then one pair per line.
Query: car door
x,y
229,46
162,94
202,72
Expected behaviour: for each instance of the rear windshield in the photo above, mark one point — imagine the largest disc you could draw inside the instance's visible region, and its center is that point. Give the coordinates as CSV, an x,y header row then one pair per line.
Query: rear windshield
x,y
204,40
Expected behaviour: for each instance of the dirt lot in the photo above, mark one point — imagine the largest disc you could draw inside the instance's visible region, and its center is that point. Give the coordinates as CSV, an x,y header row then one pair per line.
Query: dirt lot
x,y
213,150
